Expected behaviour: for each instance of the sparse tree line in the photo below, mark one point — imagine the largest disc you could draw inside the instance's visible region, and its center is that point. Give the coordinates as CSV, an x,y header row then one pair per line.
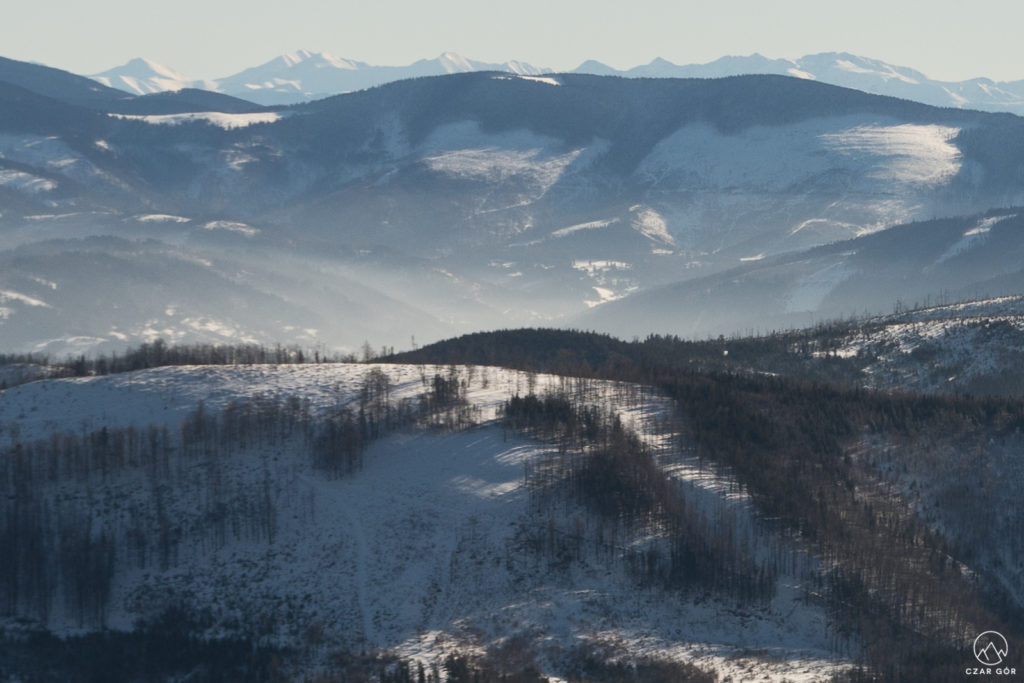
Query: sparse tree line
x,y
895,586
65,538
811,355
74,508
607,468
892,584
159,353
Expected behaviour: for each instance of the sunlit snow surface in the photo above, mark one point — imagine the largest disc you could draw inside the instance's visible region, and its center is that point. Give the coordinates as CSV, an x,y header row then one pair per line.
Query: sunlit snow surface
x,y
907,153
651,225
26,182
495,164
462,150
972,238
547,80
887,74
214,118
754,181
7,295
779,157
232,226
421,551
590,225
161,218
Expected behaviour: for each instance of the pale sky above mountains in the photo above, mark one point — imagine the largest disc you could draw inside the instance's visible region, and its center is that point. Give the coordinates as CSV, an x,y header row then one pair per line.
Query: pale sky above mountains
x,y
945,39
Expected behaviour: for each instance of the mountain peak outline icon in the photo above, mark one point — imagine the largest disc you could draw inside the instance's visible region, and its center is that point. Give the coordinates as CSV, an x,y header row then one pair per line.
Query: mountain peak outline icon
x,y
994,650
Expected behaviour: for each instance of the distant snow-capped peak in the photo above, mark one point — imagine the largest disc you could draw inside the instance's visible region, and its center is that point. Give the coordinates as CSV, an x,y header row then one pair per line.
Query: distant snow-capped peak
x,y
455,63
306,74
297,57
845,70
144,76
317,60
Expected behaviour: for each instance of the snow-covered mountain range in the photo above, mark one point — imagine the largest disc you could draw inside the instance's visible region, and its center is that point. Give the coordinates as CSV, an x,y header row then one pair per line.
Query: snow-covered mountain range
x,y
438,205
849,71
298,76
306,75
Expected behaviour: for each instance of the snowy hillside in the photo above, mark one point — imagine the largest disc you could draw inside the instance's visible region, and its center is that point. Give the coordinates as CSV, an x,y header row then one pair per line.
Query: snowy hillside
x,y
430,547
975,347
967,258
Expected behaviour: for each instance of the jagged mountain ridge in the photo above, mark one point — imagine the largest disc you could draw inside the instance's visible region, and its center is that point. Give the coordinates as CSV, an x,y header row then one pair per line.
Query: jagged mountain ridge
x,y
846,70
299,76
305,75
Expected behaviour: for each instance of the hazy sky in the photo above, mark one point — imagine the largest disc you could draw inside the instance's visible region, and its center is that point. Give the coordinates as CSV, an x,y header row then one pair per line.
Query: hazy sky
x,y
946,39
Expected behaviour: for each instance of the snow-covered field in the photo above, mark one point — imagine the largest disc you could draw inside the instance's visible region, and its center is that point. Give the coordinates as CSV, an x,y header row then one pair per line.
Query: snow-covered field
x,y
423,551
214,118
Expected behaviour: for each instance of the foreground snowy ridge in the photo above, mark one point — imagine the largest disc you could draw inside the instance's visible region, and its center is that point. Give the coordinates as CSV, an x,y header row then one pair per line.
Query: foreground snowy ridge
x,y
422,552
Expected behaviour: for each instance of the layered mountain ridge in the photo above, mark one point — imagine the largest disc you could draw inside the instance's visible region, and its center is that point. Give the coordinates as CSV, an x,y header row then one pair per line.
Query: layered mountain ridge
x,y
474,200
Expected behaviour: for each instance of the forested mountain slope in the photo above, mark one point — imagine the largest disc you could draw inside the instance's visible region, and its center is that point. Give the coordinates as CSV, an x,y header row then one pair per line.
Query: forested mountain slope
x,y
483,199
420,512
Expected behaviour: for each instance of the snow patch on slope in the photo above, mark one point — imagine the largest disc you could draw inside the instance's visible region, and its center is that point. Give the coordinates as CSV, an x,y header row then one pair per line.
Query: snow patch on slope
x,y
592,268
161,218
461,150
495,165
651,225
906,153
886,75
26,182
972,238
7,295
232,226
541,79
591,225
214,118
775,158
